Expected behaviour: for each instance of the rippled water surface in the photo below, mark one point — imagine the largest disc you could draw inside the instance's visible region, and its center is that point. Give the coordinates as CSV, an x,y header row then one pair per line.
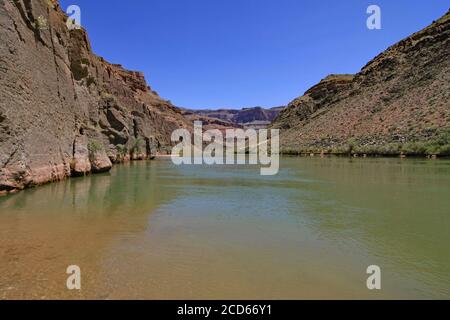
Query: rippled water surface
x,y
151,230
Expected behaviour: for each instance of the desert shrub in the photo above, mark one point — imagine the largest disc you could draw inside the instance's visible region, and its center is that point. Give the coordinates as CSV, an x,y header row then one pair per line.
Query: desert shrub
x,y
108,97
440,145
122,150
41,23
432,149
445,150
444,138
136,145
94,147
78,70
340,150
414,148
351,145
368,150
90,80
290,151
390,149
51,5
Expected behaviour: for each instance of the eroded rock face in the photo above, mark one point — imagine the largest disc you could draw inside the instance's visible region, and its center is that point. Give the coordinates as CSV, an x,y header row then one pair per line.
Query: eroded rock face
x,y
57,97
81,164
400,97
100,162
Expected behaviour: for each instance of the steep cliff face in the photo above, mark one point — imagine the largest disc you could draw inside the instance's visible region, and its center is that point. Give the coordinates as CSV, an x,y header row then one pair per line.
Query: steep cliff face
x,y
398,103
65,111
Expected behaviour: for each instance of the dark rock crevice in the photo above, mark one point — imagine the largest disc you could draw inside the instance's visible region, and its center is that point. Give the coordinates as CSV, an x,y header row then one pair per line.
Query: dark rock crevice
x,y
29,18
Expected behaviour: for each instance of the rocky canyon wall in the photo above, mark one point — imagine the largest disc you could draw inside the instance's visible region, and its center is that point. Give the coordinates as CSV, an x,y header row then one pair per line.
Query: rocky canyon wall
x,y
65,111
398,103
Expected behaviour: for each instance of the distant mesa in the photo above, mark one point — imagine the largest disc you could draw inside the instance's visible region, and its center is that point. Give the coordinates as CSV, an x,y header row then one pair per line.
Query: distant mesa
x,y
256,117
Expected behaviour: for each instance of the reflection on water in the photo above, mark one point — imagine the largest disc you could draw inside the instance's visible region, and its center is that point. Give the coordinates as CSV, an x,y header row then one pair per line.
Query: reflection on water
x,y
151,230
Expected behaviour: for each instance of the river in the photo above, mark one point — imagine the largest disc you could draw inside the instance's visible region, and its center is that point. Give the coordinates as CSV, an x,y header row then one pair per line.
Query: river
x,y
153,230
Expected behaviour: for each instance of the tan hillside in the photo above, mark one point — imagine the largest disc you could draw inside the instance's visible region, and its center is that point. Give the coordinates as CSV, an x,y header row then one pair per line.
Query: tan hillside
x,y
398,103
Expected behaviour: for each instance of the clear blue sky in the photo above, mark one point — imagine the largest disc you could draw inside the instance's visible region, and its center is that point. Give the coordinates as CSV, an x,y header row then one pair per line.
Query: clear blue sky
x,y
242,53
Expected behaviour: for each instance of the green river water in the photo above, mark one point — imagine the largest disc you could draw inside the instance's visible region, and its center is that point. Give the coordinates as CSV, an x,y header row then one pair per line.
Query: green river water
x,y
153,230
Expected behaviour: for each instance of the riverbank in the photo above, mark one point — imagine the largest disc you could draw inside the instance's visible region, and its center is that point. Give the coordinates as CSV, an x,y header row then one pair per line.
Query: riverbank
x,y
439,147
294,153
70,174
